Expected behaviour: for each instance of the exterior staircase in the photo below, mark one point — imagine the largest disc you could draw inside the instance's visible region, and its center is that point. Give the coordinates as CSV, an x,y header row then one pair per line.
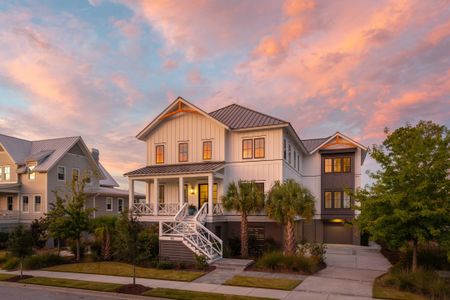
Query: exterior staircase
x,y
190,230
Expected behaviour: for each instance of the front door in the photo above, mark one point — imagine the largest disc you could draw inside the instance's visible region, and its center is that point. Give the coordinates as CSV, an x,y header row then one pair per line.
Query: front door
x,y
203,194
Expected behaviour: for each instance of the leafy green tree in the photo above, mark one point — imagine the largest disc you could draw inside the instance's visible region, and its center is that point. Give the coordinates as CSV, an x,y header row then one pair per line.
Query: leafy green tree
x,y
244,197
409,203
39,232
285,202
55,220
103,228
20,244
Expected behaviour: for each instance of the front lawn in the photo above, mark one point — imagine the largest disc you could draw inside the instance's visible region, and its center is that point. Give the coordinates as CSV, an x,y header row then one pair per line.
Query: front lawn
x,y
71,283
123,269
191,295
6,276
380,292
268,283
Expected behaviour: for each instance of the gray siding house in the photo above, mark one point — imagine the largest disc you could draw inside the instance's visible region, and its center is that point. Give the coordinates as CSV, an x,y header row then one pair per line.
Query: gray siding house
x,y
31,171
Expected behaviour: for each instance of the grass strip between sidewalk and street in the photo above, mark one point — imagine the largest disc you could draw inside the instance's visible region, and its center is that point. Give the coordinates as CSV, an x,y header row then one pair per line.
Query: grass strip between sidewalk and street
x,y
261,282
71,283
193,295
6,276
126,270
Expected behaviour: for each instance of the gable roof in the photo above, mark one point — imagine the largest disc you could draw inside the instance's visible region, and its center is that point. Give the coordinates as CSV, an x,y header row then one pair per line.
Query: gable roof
x,y
109,181
18,149
338,134
311,144
237,116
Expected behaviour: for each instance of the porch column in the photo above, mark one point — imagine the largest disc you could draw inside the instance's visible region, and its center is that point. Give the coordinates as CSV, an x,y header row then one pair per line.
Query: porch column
x,y
210,195
181,190
155,195
147,192
131,193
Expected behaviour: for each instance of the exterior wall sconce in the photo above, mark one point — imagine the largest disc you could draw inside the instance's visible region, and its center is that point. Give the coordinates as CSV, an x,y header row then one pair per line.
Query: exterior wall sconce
x,y
192,190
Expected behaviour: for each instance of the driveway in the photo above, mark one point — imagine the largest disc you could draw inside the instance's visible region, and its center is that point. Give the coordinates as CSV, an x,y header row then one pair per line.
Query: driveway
x,y
350,274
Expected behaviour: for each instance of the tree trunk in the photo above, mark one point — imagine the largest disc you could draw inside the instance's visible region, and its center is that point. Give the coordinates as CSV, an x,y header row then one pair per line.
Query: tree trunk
x,y
78,250
244,235
289,242
21,267
134,274
414,258
107,247
59,246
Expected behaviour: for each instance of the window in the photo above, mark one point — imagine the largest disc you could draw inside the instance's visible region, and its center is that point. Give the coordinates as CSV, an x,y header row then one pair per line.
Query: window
x,y
25,203
295,159
161,193
89,177
347,165
347,200
109,204
337,199
183,152
289,154
159,154
10,203
31,173
7,172
207,150
1,173
75,174
260,186
37,203
284,150
247,148
298,162
120,205
337,165
185,193
61,173
328,165
260,148
327,199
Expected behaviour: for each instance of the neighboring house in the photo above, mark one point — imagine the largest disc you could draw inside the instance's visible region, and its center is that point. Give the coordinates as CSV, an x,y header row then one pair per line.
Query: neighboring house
x,y
192,156
30,172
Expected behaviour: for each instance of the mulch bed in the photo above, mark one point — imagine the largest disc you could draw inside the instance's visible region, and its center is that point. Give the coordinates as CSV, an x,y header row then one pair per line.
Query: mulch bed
x,y
133,289
18,278
254,268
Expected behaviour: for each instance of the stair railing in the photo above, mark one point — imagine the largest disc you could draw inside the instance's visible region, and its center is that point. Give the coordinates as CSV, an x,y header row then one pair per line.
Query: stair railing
x,y
200,216
182,213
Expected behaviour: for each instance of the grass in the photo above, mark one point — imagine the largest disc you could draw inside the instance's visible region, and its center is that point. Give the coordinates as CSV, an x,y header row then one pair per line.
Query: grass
x,y
268,283
6,276
76,284
123,269
380,292
191,295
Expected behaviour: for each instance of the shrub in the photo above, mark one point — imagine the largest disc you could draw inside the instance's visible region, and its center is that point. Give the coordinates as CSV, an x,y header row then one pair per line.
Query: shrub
x,y
43,261
96,251
273,260
234,246
270,245
278,261
201,262
316,250
11,263
4,236
165,265
73,248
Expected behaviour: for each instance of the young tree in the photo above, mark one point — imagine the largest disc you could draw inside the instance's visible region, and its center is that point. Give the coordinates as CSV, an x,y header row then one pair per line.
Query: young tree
x,y
244,197
39,232
408,203
55,220
20,244
103,228
285,202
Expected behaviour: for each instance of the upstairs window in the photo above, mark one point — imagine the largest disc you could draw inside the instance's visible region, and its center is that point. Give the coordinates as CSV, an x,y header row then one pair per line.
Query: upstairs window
x,y
260,148
328,165
247,148
10,202
159,150
337,199
327,199
338,165
61,173
75,174
109,204
207,150
289,154
89,177
7,173
37,203
25,203
295,159
347,166
120,205
284,150
183,152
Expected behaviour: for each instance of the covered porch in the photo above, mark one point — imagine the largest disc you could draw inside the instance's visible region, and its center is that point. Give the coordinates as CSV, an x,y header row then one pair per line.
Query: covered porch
x,y
169,187
9,202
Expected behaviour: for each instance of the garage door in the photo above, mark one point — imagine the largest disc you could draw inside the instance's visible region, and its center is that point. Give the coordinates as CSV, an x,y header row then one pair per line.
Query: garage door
x,y
337,233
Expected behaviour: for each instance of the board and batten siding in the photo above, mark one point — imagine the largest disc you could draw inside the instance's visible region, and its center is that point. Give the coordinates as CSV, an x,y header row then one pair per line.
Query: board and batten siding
x,y
192,128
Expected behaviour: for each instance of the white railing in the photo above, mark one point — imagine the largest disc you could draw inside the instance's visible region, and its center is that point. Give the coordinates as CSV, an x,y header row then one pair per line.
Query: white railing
x,y
168,209
182,213
9,214
200,216
218,209
143,208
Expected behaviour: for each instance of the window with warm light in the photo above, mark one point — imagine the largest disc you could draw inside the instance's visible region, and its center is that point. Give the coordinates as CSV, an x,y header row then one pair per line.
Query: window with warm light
x,y
337,165
183,152
7,173
207,150
347,165
247,148
337,199
260,148
327,199
159,150
328,165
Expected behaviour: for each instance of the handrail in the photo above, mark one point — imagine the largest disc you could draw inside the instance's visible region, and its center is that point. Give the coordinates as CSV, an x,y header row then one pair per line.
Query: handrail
x,y
201,214
181,213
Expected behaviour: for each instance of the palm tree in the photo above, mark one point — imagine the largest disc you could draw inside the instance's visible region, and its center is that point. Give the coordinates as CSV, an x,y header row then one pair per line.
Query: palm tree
x,y
285,202
244,197
103,228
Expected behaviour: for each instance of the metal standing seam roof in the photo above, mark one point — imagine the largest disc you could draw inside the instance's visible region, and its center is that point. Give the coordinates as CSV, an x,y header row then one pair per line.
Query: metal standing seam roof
x,y
109,180
236,116
177,169
311,144
59,146
18,149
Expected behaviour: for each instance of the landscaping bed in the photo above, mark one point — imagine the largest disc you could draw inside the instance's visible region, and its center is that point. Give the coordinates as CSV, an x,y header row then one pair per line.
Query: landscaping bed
x,y
123,269
132,289
192,295
267,283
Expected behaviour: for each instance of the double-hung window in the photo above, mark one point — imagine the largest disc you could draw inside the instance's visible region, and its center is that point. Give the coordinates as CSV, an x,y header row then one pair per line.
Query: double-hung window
x,y
7,171
120,205
289,154
61,173
247,148
260,148
207,150
37,203
109,203
24,203
31,172
159,150
10,201
183,152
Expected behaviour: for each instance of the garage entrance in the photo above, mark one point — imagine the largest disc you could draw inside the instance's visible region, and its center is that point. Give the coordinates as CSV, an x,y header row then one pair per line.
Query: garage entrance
x,y
337,233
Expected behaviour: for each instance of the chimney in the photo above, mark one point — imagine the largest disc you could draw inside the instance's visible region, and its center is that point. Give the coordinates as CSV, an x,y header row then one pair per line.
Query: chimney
x,y
95,154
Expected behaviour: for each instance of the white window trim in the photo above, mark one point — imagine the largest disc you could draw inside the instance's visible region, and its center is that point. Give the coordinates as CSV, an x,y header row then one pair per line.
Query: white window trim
x,y
112,206
28,204
118,206
90,174
1,173
79,174
34,202
57,174
4,173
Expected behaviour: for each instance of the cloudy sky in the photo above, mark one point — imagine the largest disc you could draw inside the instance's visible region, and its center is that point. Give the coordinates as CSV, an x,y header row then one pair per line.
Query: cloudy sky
x,y
103,69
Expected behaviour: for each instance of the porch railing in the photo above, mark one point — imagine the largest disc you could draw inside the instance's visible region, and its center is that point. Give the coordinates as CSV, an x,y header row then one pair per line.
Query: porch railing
x,y
143,208
168,209
9,214
218,209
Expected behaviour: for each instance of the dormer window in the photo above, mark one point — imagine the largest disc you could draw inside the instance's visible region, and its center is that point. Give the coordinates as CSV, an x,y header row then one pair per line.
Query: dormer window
x,y
159,150
31,173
